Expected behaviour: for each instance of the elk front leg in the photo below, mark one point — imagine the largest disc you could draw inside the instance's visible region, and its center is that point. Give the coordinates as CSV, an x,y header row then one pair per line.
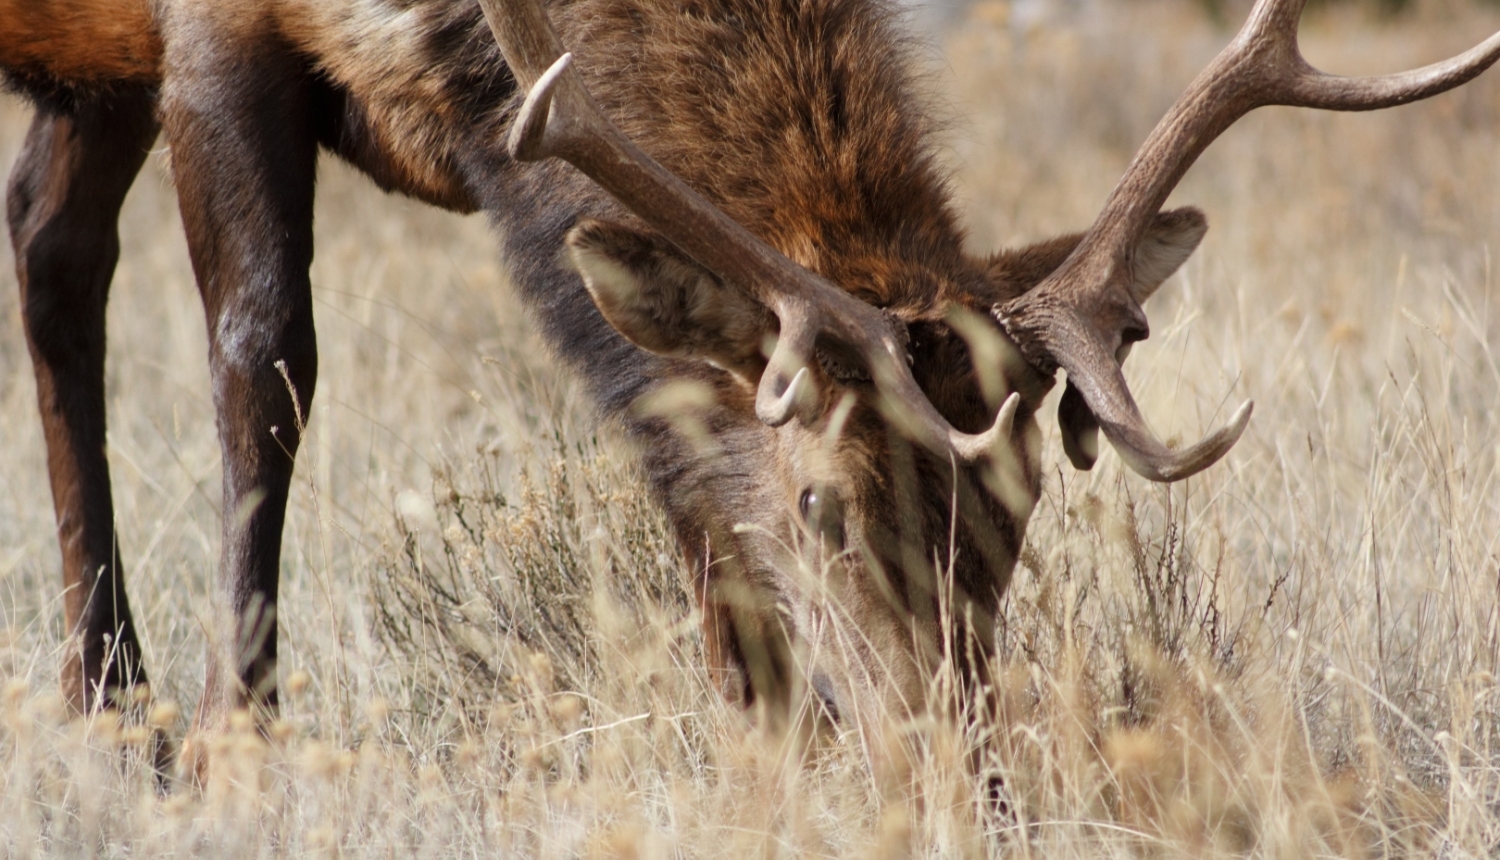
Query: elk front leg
x,y
63,204
244,155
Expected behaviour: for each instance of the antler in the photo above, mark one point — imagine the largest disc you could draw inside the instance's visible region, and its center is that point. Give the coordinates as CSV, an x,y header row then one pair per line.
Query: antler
x,y
560,119
1081,315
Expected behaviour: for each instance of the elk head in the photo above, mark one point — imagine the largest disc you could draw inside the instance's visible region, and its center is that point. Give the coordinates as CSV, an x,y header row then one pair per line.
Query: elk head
x,y
902,443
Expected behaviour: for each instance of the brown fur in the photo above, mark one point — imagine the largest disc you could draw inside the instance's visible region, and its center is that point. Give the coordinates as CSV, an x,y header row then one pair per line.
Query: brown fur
x,y
86,43
801,119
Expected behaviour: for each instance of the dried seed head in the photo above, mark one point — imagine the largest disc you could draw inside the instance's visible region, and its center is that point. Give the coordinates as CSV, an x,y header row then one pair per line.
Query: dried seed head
x,y
297,683
241,720
164,715
567,709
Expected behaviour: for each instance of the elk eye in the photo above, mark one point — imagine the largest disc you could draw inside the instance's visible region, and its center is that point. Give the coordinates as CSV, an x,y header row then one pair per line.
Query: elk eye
x,y
823,514
809,501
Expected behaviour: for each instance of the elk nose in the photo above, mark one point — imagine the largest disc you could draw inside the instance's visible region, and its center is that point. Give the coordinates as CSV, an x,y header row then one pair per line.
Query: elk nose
x,y
823,686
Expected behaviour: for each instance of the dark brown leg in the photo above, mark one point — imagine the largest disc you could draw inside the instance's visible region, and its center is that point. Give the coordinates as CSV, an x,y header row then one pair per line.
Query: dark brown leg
x,y
244,158
62,206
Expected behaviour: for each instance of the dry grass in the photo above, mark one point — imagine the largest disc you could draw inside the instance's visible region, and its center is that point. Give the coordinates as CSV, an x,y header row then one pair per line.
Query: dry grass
x,y
487,648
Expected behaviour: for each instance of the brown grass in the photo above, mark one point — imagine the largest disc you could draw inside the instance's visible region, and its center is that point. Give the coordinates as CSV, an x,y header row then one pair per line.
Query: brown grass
x,y
487,646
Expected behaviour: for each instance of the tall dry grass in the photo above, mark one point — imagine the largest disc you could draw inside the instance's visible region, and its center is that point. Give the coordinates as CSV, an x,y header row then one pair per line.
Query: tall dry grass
x,y
487,646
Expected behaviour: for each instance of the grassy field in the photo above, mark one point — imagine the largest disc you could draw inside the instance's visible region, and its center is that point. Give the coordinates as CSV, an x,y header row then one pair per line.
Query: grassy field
x,y
486,645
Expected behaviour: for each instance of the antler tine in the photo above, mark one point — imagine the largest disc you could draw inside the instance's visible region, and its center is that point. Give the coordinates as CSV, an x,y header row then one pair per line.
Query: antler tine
x,y
1273,24
560,119
1315,89
1123,425
1081,315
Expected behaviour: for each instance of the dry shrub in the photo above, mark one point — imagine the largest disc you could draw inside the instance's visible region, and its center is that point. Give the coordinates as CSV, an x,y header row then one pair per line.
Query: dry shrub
x,y
1142,708
1294,654
507,596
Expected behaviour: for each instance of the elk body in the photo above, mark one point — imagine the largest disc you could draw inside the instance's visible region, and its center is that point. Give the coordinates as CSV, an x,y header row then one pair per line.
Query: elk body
x,y
750,231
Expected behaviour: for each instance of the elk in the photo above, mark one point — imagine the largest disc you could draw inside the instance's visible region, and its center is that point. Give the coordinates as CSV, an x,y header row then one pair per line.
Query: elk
x,y
736,196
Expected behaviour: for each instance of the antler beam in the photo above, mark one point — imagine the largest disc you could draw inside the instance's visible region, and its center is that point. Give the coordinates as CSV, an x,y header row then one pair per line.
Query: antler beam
x,y
1081,315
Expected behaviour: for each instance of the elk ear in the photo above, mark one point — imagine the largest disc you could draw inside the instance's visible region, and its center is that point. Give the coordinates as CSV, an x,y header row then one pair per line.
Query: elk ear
x,y
663,302
1172,237
1169,241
